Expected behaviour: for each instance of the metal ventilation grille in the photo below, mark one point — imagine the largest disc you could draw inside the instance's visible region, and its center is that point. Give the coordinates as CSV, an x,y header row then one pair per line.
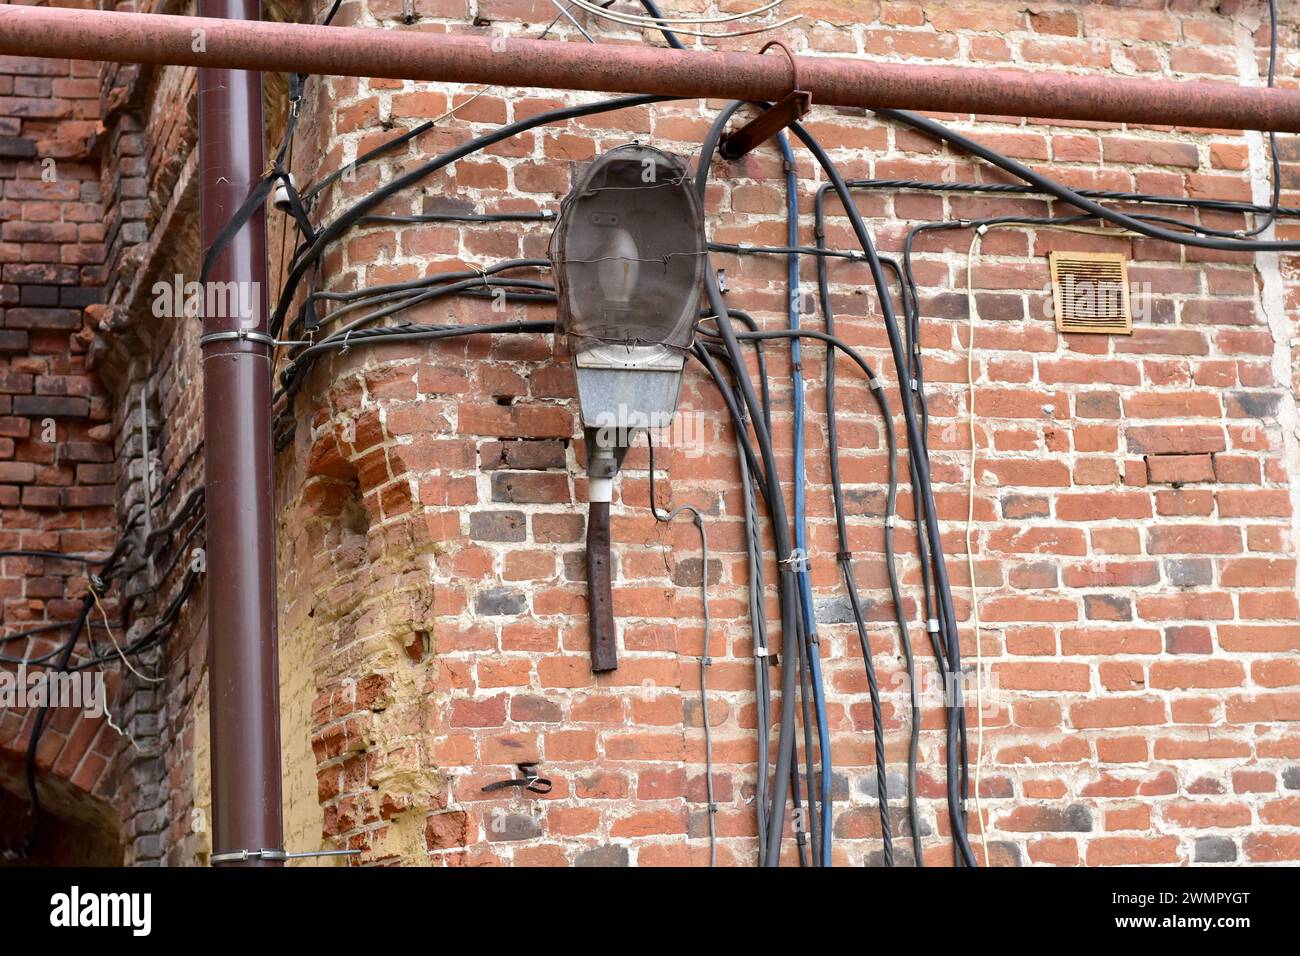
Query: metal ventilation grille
x,y
1090,292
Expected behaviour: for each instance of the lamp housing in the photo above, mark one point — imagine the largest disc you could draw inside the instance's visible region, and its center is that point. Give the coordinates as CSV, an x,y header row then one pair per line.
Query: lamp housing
x,y
629,254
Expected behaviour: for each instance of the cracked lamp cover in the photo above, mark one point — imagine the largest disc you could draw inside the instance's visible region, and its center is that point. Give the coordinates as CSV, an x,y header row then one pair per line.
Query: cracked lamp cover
x,y
628,253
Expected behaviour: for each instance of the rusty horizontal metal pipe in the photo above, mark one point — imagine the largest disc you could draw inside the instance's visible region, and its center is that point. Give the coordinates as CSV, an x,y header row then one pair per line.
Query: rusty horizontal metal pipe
x,y
618,68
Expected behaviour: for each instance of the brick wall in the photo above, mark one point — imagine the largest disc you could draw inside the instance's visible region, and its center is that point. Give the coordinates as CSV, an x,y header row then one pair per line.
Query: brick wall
x,y
1134,508
102,167
56,451
1134,515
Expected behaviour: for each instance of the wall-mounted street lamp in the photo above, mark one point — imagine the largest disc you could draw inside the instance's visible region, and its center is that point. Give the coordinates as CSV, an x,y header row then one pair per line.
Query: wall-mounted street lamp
x,y
628,255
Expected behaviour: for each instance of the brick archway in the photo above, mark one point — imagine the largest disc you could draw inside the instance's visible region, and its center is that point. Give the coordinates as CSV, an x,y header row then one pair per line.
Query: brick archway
x,y
75,782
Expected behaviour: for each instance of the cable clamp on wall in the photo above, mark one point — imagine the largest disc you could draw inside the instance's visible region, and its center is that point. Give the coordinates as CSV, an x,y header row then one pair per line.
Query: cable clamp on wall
x,y
891,521
932,625
278,856
797,561
876,384
762,652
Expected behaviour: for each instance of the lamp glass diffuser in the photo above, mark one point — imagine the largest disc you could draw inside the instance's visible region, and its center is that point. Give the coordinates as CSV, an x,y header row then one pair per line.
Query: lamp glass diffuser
x,y
629,253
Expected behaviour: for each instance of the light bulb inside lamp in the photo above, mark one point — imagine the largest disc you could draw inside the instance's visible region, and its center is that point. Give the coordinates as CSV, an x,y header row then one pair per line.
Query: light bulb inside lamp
x,y
618,267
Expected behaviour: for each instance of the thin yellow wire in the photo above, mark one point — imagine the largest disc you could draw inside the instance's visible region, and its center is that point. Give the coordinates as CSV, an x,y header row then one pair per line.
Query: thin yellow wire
x,y
116,646
972,313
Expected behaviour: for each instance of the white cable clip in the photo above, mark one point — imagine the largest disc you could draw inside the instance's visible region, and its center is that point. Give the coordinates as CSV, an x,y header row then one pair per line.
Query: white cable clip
x,y
876,383
932,625
762,652
916,386
982,228
891,521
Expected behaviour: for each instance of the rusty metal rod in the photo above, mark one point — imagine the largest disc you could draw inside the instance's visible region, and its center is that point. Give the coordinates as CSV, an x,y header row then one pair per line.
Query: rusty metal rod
x,y
832,81
243,665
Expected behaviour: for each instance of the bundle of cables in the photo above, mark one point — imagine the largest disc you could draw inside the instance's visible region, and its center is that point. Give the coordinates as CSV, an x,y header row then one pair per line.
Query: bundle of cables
x,y
162,551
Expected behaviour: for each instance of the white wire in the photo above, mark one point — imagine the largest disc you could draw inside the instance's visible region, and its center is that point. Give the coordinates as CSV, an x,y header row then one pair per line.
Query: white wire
x,y
118,647
972,313
971,252
644,18
650,24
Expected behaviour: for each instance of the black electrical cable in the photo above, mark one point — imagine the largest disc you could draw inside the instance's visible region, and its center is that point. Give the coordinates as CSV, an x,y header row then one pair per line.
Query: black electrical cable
x,y
758,626
38,726
64,654
544,216
428,295
749,465
1022,189
1051,186
705,659
331,231
50,556
1274,160
956,751
845,559
383,148
743,248
787,591
912,333
377,293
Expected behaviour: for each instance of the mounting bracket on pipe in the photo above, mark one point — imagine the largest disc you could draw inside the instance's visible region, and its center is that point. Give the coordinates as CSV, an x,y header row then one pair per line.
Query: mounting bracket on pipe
x,y
277,856
791,108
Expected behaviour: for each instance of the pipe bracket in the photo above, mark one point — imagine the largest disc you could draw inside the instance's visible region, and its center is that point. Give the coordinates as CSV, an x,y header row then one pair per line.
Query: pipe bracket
x,y
275,856
791,108
241,335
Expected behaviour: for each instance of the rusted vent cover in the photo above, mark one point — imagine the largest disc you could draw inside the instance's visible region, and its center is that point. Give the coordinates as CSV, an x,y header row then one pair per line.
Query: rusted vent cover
x,y
1090,292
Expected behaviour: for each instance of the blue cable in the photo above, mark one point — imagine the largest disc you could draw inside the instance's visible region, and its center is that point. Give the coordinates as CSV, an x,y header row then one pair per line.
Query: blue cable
x,y
800,524
800,531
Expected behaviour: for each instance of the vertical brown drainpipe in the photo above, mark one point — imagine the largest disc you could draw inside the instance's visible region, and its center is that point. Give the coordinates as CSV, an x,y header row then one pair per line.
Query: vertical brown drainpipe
x,y
242,654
